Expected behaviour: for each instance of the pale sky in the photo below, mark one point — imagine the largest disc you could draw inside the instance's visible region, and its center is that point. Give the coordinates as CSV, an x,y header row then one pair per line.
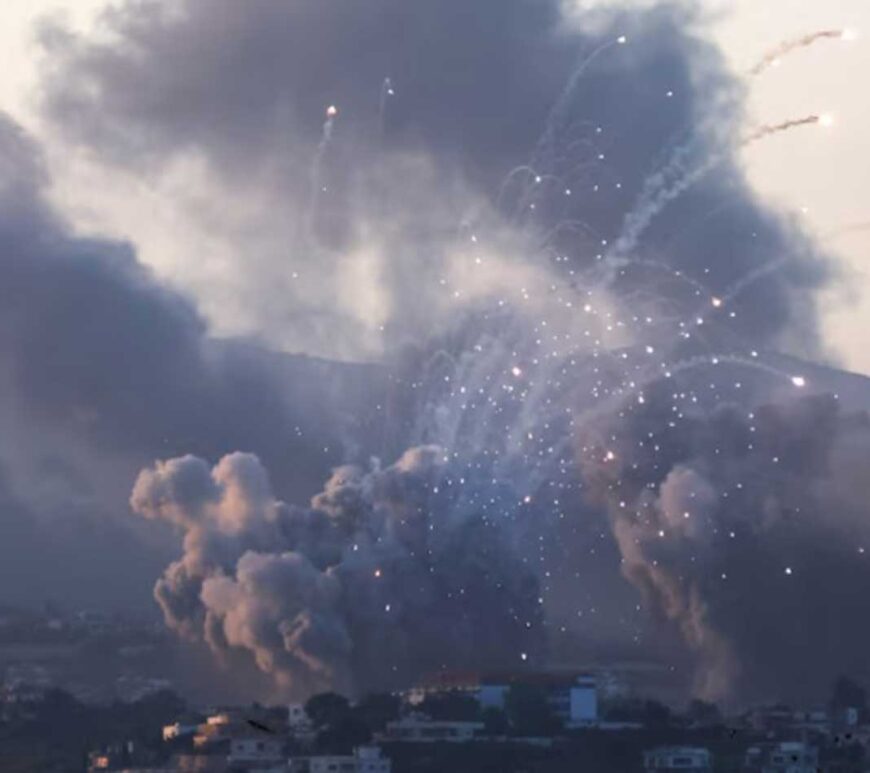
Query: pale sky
x,y
823,173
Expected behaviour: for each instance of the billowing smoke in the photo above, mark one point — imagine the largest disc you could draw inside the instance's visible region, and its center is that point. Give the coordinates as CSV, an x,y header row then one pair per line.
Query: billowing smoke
x,y
535,228
744,529
505,116
104,367
391,574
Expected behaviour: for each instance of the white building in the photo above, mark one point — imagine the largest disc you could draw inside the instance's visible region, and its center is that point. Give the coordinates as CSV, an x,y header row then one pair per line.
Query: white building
x,y
297,718
366,759
574,701
415,729
686,759
577,704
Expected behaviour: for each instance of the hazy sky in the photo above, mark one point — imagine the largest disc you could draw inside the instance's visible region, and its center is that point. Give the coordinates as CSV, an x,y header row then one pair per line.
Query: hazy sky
x,y
824,175
593,391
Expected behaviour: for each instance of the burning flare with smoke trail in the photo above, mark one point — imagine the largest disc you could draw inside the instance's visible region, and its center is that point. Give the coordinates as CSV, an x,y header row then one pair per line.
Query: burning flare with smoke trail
x,y
773,58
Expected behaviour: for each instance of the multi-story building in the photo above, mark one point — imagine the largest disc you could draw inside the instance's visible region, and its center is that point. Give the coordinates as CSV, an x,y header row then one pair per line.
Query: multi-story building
x,y
366,759
686,759
257,750
574,700
576,703
417,729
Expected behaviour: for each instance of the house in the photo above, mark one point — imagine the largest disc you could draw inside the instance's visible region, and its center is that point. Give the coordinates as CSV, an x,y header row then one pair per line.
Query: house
x,y
574,700
417,729
784,757
576,703
122,757
492,696
256,749
366,759
687,759
297,718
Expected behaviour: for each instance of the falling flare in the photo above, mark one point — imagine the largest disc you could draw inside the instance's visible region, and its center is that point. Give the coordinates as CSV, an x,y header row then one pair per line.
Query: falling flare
x,y
774,57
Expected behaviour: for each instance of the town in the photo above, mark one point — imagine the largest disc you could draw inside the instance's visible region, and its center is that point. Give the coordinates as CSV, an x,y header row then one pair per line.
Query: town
x,y
512,723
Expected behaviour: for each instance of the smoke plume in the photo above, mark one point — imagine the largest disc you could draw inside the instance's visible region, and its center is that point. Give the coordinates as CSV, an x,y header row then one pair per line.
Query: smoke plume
x,y
391,574
735,525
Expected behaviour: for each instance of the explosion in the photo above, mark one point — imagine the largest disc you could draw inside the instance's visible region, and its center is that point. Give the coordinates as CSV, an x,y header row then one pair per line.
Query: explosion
x,y
579,368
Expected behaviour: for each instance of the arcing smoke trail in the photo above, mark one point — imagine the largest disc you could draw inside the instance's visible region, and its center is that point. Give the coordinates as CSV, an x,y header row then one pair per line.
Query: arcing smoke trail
x,y
658,194
767,130
772,57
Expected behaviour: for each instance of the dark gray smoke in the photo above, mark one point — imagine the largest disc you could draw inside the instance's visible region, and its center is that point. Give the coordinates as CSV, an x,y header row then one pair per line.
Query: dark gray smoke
x,y
103,368
479,89
507,329
391,575
745,530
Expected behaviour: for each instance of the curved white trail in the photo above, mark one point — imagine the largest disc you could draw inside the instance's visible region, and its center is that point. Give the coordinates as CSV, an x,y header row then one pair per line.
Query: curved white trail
x,y
665,186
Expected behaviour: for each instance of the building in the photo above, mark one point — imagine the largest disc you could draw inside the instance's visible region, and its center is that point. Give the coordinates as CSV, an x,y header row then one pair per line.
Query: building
x,y
417,729
772,720
256,749
574,700
297,717
299,724
492,696
573,697
687,759
366,759
813,721
785,757
576,703
121,757
132,688
198,763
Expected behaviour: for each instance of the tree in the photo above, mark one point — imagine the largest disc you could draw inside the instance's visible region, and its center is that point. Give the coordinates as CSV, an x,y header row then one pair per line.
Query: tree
x,y
703,713
344,735
377,709
529,711
327,709
454,706
847,694
495,721
656,715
